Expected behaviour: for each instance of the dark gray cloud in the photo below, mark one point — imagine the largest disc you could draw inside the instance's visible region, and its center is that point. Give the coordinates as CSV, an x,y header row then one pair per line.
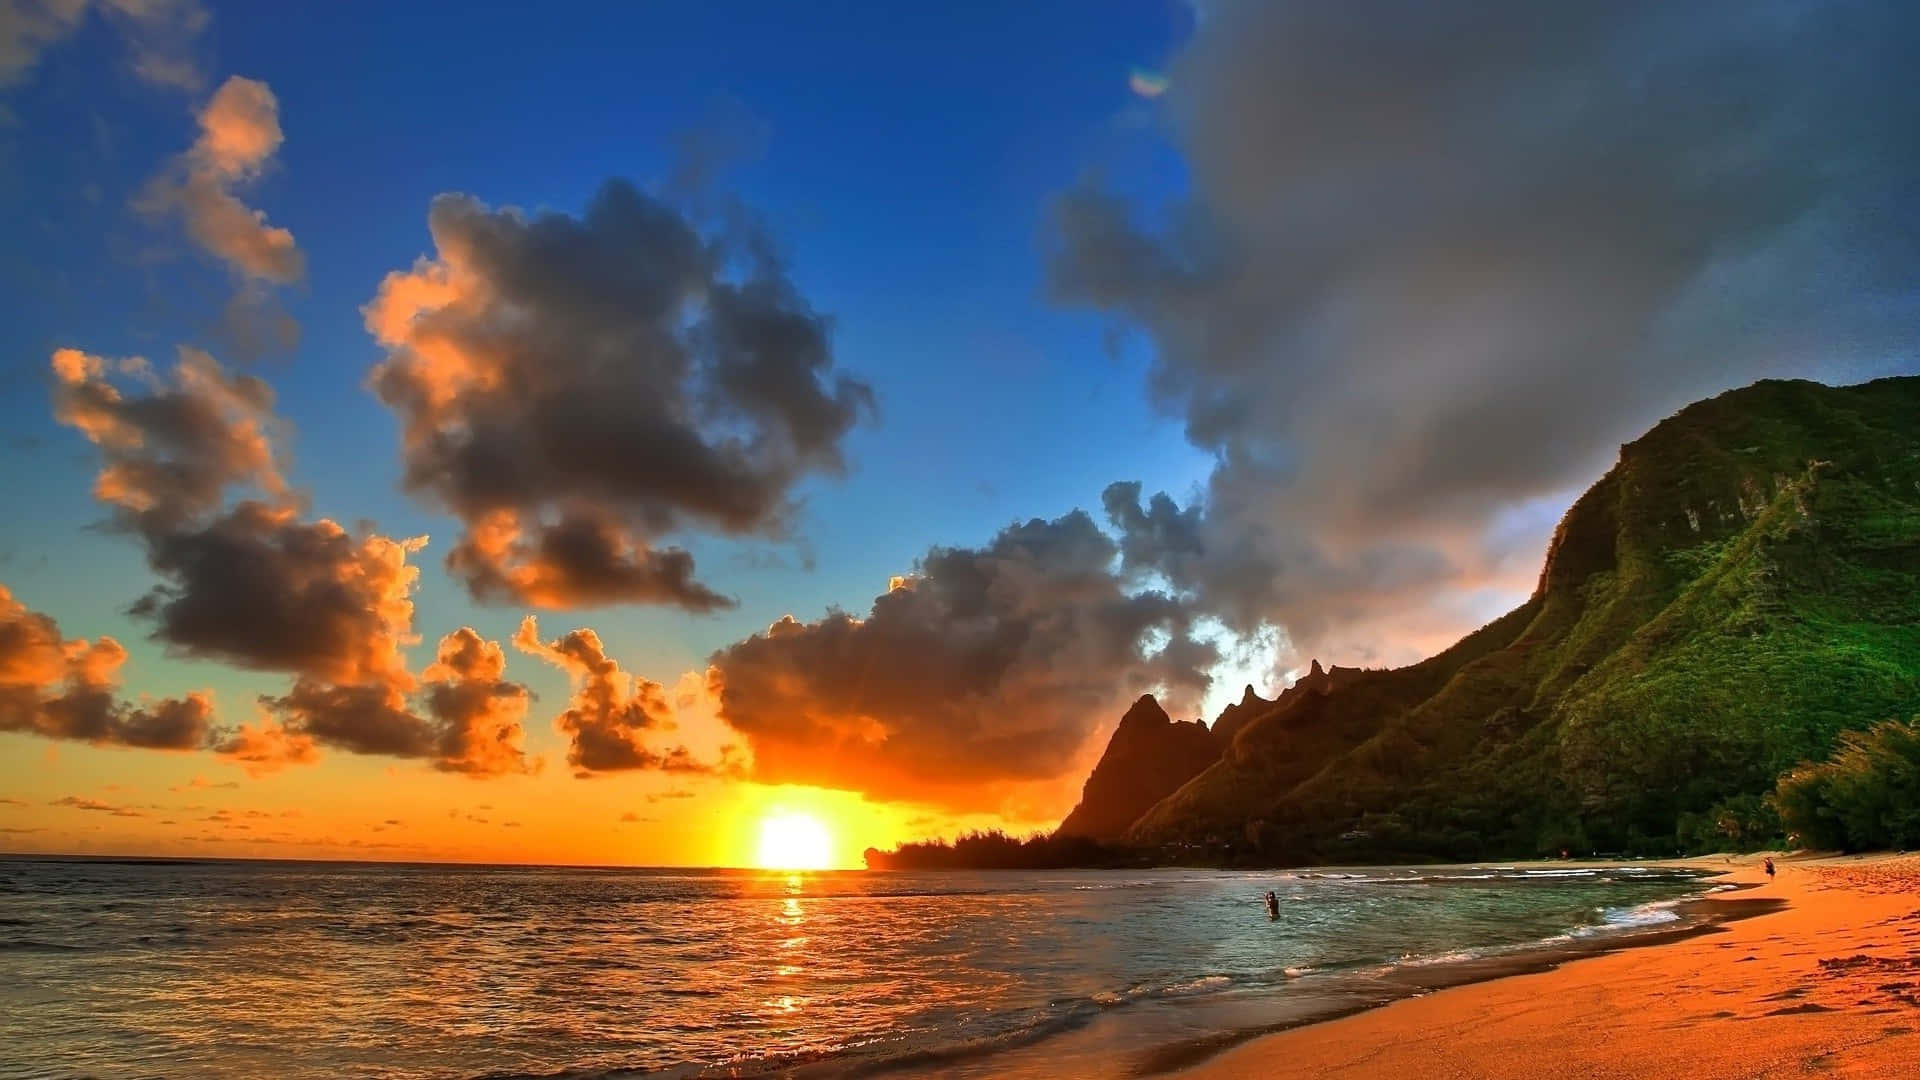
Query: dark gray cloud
x,y
260,588
576,390
254,583
475,709
64,688
1440,259
987,668
464,718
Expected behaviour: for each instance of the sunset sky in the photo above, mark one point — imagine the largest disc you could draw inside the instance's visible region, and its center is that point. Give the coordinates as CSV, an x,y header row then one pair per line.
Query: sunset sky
x,y
584,434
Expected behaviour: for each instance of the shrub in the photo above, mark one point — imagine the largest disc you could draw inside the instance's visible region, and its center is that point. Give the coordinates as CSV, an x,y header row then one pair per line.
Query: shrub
x,y
1865,796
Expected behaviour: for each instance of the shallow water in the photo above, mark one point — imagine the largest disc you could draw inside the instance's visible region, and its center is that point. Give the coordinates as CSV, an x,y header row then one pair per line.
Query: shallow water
x,y
244,969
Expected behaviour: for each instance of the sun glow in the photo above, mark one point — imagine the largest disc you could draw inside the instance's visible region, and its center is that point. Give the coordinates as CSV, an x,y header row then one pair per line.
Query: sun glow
x,y
791,841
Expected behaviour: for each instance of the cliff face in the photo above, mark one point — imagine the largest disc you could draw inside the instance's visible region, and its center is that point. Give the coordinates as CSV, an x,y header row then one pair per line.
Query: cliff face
x,y
1742,586
1148,758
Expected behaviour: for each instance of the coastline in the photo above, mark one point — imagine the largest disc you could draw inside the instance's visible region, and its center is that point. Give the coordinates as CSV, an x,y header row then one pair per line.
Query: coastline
x,y
1818,970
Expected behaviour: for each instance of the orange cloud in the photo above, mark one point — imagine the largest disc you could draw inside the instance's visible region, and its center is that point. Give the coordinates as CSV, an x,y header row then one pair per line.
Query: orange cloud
x,y
467,718
64,688
611,711
264,748
239,136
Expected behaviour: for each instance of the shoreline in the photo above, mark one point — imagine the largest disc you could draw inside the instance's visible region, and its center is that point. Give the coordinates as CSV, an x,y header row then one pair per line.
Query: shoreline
x,y
1819,969
1698,916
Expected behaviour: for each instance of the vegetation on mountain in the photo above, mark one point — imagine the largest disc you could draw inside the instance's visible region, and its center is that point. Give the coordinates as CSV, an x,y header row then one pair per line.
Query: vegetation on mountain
x,y
996,850
1865,797
1741,588
1738,595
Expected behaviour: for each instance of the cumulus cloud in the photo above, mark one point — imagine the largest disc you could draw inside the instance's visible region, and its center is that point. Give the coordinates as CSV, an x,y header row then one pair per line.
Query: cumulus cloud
x,y
255,583
261,749
1438,260
577,390
476,711
65,688
611,712
464,718
252,583
987,668
160,36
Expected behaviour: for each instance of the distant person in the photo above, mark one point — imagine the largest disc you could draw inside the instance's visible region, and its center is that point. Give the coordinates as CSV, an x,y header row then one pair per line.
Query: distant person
x,y
1273,905
1769,866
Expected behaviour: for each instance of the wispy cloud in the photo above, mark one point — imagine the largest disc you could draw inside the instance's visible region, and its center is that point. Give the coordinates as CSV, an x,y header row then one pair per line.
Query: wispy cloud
x,y
78,803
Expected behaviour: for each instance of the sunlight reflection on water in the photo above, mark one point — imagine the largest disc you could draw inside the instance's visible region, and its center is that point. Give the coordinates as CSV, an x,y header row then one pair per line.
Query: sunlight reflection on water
x,y
312,970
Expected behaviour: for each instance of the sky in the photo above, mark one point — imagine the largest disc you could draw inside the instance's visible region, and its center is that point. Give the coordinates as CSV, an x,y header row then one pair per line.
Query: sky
x,y
434,432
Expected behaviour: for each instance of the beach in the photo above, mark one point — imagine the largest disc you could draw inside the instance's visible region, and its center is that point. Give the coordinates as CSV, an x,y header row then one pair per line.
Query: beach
x,y
1827,984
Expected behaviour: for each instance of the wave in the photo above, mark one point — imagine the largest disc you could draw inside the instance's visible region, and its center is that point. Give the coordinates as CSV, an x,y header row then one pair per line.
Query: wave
x,y
35,945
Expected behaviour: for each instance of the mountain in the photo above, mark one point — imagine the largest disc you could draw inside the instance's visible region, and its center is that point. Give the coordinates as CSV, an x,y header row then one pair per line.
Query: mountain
x,y
1742,586
1148,757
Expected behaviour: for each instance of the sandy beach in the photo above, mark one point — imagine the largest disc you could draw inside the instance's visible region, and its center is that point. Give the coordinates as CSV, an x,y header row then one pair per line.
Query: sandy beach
x,y
1828,984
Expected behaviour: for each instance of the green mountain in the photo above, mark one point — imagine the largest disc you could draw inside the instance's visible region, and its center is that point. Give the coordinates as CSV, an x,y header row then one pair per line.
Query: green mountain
x,y
1740,588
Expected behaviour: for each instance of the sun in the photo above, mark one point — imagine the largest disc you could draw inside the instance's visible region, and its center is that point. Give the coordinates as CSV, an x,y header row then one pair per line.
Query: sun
x,y
793,841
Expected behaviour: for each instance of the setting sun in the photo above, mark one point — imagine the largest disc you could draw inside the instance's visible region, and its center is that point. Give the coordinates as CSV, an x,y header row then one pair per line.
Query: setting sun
x,y
790,841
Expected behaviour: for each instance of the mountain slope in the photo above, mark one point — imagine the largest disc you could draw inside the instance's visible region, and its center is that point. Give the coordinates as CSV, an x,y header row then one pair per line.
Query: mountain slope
x,y
1741,586
1148,757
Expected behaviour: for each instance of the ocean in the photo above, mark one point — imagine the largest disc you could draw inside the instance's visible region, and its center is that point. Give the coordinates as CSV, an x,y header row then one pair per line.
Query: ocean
x,y
131,968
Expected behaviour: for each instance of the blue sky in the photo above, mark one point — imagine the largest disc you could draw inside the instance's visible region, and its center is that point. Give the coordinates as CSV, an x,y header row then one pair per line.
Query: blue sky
x,y
1360,295
904,158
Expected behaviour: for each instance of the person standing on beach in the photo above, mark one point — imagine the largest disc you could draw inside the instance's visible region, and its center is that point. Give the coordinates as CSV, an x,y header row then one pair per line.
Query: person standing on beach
x,y
1273,905
1769,865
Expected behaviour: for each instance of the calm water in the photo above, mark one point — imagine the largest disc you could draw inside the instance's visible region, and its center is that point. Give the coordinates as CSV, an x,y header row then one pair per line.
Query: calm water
x,y
247,969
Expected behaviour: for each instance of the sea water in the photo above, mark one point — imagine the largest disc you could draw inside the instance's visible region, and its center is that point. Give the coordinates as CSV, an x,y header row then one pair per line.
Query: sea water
x,y
248,969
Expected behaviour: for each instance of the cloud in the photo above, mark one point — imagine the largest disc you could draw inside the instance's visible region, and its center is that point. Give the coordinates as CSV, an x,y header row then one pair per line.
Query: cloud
x,y
1146,84
611,711
1439,260
239,135
160,36
577,390
263,748
253,583
987,668
200,782
464,719
78,803
476,710
64,688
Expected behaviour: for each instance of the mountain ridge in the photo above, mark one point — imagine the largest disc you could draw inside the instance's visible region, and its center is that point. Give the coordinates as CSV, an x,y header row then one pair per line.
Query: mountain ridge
x,y
1648,692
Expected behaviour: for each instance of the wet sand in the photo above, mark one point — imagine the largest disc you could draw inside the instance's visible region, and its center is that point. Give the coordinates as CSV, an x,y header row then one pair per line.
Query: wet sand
x,y
1827,983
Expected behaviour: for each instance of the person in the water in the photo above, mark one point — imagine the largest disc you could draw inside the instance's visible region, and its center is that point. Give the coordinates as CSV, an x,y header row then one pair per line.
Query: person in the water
x,y
1273,905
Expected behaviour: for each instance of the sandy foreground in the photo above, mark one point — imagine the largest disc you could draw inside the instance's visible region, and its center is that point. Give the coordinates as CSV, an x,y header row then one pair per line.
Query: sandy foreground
x,y
1829,985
